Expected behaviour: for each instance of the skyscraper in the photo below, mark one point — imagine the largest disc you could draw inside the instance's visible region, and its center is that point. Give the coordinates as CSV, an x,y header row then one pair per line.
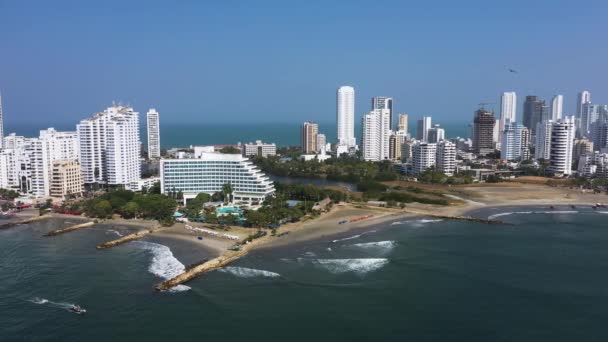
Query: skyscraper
x,y
483,132
583,98
508,109
56,146
376,135
422,130
435,134
511,142
383,102
402,125
308,137
543,140
557,107
562,140
533,112
394,147
109,147
153,129
345,116
1,124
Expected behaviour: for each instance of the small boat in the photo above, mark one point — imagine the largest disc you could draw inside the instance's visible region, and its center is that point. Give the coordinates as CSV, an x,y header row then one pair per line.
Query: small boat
x,y
77,309
199,237
573,206
551,207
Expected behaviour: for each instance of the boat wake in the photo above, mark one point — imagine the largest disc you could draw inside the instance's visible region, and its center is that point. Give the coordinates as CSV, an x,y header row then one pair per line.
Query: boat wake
x,y
164,264
357,266
244,272
58,305
491,217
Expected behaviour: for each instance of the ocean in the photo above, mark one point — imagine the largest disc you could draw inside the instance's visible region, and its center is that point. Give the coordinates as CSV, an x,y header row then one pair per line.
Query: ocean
x,y
540,278
186,134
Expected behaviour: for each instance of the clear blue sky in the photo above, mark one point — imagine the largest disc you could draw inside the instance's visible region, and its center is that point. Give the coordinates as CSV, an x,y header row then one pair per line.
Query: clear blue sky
x,y
281,61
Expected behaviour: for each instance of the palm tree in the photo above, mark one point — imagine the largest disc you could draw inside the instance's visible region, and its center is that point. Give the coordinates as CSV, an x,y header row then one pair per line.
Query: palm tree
x,y
227,190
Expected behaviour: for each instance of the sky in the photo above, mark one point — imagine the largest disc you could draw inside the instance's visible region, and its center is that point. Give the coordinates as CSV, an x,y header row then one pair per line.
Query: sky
x,y
282,61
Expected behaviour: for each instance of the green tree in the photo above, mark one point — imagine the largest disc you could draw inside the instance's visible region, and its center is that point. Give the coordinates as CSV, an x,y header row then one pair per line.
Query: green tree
x,y
103,209
227,191
130,210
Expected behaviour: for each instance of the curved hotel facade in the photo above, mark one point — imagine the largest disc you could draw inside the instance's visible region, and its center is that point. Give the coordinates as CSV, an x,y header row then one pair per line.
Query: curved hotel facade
x,y
210,172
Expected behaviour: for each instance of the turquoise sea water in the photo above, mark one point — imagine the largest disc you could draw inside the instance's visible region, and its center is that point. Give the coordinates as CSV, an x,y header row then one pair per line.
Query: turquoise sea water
x,y
541,278
283,134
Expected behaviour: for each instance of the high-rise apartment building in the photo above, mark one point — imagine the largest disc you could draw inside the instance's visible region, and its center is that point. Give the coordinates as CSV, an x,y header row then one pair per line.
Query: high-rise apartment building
x,y
557,107
402,124
424,156
259,149
533,112
583,98
376,133
543,140
1,124
109,147
153,130
321,143
435,134
394,147
508,109
383,102
483,132
345,116
422,129
511,143
592,113
66,179
562,139
580,148
56,146
308,137
446,157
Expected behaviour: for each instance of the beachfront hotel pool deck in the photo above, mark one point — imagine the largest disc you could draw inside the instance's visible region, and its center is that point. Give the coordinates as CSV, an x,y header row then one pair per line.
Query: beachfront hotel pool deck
x,y
210,172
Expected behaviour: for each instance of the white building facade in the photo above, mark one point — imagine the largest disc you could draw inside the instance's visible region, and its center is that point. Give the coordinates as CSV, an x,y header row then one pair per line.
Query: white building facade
x,y
210,172
562,140
424,156
446,157
376,135
109,147
508,109
345,116
153,130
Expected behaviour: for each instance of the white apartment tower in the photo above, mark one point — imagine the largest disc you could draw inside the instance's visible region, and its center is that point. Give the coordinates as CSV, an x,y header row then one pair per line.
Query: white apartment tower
x,y
383,102
1,124
345,116
562,140
446,157
508,109
583,98
153,129
424,156
56,146
402,124
557,107
109,147
543,140
376,135
511,142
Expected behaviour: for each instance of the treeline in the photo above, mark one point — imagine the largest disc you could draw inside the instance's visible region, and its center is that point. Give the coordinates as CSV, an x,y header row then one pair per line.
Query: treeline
x,y
131,205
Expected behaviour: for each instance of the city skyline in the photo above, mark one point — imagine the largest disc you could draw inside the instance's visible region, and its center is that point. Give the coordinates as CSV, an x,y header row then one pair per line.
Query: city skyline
x,y
197,65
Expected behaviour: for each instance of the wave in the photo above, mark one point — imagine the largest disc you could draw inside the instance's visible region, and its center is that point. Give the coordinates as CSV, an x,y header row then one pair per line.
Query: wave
x,y
416,223
113,231
347,238
244,272
603,212
491,217
357,266
164,264
384,245
37,300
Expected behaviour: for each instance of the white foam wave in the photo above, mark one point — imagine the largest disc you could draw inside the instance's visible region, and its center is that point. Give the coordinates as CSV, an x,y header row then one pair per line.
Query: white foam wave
x,y
113,231
347,238
428,220
358,266
384,245
310,254
244,272
603,212
164,264
491,217
416,223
